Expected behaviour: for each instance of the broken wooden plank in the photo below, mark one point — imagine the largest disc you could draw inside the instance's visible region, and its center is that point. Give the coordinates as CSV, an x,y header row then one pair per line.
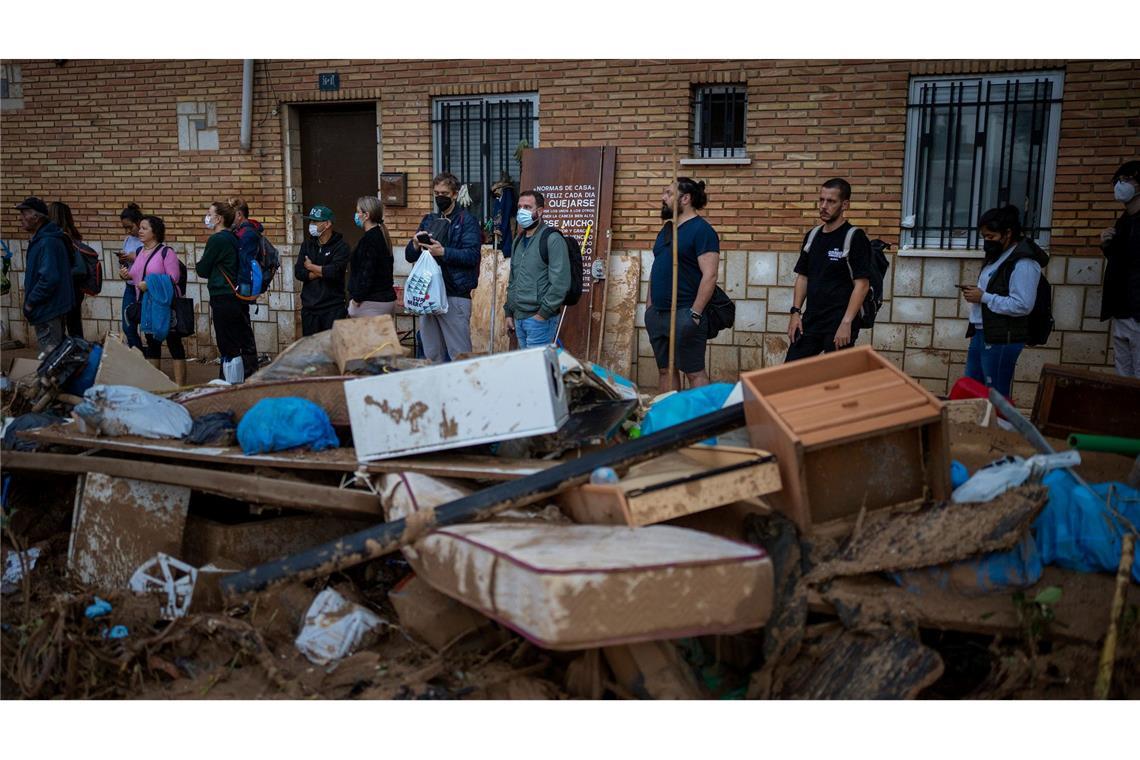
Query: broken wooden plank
x,y
1079,614
232,485
376,542
120,523
859,665
471,466
653,670
121,365
365,338
623,284
935,533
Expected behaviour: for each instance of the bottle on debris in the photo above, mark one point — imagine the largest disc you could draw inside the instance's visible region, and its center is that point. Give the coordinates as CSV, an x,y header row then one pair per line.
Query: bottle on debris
x,y
603,476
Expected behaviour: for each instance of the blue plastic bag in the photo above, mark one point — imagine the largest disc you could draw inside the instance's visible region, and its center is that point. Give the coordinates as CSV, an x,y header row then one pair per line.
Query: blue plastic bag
x,y
958,474
1077,531
277,424
1019,567
685,405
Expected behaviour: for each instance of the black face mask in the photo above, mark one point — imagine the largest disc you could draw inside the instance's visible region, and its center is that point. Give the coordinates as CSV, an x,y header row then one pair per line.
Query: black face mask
x,y
442,202
992,248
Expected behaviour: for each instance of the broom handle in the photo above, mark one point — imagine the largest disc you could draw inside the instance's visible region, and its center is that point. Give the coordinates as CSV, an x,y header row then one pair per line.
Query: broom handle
x,y
673,298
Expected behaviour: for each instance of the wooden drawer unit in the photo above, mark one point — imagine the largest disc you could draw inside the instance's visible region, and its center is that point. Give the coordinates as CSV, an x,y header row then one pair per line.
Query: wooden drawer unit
x,y
849,429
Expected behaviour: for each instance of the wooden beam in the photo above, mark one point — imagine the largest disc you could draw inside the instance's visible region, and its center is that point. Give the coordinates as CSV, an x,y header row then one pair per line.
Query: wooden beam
x,y
232,485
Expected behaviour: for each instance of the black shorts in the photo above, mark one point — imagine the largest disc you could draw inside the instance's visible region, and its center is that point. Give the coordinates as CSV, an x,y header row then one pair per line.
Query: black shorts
x,y
691,339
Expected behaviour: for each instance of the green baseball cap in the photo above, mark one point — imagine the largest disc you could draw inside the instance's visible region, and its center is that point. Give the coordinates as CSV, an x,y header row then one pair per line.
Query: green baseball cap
x,y
320,214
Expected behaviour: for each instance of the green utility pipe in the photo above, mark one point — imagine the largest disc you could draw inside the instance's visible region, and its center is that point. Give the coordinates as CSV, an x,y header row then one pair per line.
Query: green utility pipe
x,y
1110,443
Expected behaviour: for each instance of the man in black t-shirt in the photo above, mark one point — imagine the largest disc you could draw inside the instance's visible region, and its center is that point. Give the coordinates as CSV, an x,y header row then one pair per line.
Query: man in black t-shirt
x,y
832,274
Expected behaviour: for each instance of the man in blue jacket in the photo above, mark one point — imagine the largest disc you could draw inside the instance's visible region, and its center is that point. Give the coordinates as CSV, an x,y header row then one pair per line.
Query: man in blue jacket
x,y
452,236
48,288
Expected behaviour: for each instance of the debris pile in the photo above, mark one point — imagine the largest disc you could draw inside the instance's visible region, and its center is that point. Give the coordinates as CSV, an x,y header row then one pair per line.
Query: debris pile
x,y
350,522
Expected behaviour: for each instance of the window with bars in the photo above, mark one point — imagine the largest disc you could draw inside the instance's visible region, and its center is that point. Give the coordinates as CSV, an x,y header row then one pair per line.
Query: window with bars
x,y
718,121
476,139
975,143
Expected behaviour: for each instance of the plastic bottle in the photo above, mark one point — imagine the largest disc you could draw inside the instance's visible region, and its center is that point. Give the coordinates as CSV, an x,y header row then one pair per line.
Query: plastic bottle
x,y
603,476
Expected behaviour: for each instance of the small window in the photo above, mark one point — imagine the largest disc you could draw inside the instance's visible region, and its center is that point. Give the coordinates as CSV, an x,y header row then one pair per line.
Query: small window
x,y
477,139
975,143
718,121
11,88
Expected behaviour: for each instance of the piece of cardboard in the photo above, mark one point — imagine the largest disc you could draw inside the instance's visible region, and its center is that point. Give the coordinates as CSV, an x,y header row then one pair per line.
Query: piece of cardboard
x,y
23,371
364,338
432,616
121,365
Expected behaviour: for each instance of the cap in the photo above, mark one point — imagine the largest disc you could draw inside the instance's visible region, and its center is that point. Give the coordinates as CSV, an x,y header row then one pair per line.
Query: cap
x,y
320,214
33,203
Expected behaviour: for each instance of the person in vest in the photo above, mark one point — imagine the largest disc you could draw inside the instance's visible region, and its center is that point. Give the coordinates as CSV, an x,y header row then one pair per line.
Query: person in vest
x,y
1003,298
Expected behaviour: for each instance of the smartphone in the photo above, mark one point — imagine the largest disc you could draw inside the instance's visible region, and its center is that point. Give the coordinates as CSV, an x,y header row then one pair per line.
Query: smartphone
x,y
424,238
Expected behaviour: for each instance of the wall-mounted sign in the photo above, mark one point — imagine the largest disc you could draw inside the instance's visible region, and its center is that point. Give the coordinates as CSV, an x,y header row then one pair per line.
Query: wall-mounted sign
x,y
328,81
394,188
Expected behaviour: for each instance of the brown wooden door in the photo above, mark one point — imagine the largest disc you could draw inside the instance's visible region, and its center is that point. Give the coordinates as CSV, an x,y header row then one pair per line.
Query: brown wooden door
x,y
338,161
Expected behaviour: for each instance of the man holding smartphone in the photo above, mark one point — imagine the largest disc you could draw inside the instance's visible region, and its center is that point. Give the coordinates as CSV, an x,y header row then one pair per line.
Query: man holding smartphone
x,y
832,275
452,236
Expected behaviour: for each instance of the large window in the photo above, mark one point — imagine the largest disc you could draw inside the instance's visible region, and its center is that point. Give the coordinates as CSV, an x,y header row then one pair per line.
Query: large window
x,y
718,121
477,138
974,143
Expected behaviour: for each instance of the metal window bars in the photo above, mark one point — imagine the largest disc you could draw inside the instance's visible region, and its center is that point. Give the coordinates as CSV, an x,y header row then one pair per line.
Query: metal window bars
x,y
719,115
981,144
476,139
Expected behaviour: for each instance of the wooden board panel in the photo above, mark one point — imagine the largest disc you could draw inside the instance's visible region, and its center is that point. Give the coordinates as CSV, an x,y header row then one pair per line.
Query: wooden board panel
x,y
325,392
623,286
501,340
470,466
486,308
363,338
122,523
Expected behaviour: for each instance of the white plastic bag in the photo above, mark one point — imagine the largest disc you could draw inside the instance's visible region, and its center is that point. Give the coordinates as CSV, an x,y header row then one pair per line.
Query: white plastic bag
x,y
424,292
116,410
233,370
1009,472
333,628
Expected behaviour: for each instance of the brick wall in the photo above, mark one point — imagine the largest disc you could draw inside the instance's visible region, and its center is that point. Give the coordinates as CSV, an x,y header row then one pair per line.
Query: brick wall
x,y
99,134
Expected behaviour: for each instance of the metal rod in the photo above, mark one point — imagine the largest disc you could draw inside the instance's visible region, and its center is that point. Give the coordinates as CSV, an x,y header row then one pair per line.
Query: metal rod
x,y
377,541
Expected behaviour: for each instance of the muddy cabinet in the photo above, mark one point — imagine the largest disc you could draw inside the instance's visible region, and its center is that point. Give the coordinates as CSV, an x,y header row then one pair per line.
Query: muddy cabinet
x,y
849,430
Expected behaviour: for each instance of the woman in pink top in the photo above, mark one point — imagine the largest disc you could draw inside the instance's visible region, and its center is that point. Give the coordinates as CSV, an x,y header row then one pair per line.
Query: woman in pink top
x,y
157,258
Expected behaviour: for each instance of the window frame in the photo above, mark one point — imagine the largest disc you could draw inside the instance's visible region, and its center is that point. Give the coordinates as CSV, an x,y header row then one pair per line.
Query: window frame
x,y
483,100
702,153
1050,147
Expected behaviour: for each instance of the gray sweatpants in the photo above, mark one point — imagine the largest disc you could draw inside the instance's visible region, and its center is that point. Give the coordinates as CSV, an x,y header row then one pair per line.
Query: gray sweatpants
x,y
447,335
1126,346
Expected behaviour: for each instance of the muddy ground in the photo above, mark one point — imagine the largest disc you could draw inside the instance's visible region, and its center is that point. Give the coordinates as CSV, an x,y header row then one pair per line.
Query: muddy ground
x,y
51,650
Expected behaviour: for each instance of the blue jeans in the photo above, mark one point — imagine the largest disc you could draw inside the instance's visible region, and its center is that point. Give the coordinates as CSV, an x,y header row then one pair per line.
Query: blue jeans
x,y
533,332
992,363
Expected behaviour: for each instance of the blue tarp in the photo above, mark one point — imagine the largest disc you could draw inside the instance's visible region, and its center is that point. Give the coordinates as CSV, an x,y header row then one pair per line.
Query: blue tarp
x,y
276,424
685,405
1078,531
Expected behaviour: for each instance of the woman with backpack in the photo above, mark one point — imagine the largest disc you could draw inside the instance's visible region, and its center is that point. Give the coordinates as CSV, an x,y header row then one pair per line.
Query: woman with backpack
x,y
228,313
130,218
370,287
155,257
1002,301
60,213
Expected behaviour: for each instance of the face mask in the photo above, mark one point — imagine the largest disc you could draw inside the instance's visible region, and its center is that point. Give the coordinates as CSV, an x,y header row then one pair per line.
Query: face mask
x,y
524,218
993,248
1123,191
314,231
359,219
442,202
208,220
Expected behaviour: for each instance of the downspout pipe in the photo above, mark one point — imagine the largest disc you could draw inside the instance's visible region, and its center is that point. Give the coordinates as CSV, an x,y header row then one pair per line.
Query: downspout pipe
x,y
246,104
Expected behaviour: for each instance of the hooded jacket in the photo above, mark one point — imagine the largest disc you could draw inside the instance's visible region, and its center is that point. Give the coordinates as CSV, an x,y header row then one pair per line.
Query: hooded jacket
x,y
461,253
49,290
326,291
1121,299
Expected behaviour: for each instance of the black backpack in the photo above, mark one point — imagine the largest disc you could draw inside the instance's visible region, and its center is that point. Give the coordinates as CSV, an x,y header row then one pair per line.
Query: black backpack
x,y
575,250
873,301
91,283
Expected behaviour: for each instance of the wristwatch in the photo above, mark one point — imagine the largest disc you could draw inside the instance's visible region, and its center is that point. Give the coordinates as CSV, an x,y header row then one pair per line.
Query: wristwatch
x,y
795,310
696,315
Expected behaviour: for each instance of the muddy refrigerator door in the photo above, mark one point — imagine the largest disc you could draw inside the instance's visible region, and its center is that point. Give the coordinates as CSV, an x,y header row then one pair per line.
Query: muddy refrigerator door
x,y
516,394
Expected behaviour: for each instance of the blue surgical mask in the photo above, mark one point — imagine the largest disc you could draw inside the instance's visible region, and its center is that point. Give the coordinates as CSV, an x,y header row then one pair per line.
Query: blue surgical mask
x,y
359,219
314,231
1123,191
524,218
